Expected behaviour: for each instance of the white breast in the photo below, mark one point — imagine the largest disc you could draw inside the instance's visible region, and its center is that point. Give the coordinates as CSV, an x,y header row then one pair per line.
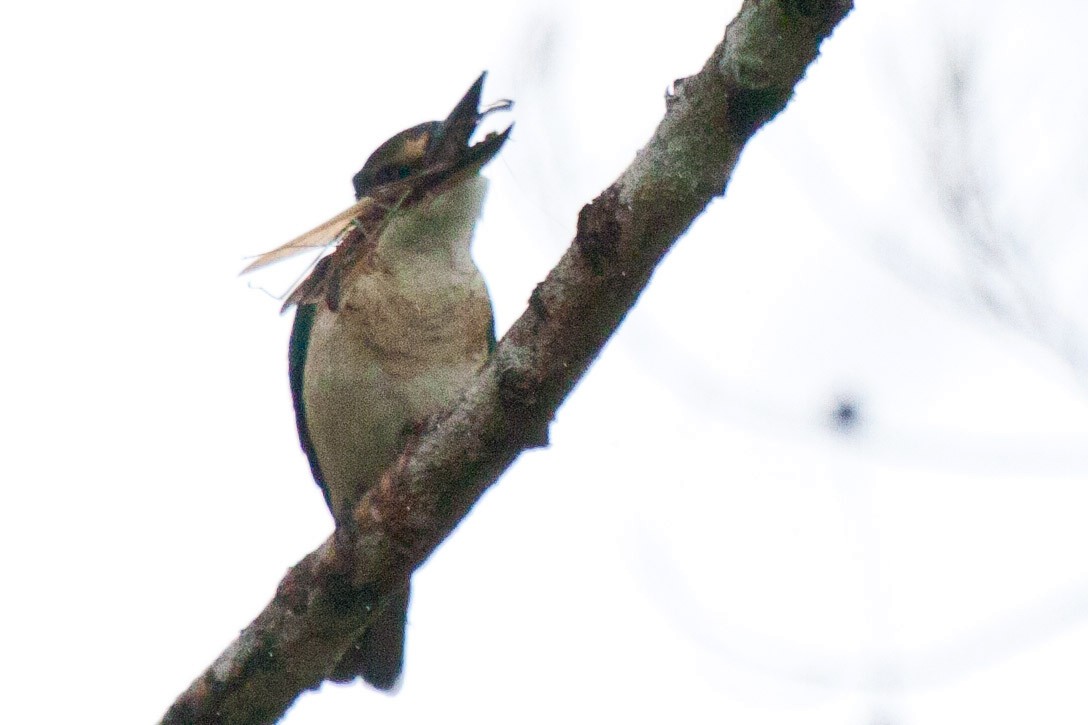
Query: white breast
x,y
410,333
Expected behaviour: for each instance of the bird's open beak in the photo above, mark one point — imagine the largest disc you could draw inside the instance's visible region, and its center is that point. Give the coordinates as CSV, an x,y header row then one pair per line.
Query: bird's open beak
x,y
451,148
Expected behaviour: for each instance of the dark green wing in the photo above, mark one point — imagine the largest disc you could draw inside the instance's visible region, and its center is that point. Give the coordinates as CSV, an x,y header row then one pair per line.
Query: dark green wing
x,y
296,367
491,341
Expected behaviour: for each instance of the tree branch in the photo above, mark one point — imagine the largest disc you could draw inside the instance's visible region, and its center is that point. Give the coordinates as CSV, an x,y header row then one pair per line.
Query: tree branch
x,y
327,598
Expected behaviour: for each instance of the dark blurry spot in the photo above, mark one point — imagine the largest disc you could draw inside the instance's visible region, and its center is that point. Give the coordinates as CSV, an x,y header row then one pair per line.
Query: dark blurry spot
x,y
845,416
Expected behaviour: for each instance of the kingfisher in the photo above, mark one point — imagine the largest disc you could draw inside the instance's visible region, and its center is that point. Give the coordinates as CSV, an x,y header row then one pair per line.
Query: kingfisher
x,y
390,326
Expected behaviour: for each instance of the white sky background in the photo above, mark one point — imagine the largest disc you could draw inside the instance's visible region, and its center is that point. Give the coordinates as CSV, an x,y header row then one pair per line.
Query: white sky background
x,y
697,545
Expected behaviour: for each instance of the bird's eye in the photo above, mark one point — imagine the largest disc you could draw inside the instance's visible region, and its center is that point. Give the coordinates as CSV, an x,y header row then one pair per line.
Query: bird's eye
x,y
392,173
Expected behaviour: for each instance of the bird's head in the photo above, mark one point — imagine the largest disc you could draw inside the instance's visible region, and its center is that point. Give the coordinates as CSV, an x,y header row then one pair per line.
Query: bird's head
x,y
436,154
415,167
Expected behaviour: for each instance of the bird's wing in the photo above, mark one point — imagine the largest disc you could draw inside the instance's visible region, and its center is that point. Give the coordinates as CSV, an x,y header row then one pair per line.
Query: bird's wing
x,y
296,366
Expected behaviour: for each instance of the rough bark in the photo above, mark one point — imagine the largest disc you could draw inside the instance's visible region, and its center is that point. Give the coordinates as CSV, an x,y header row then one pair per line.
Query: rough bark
x,y
325,599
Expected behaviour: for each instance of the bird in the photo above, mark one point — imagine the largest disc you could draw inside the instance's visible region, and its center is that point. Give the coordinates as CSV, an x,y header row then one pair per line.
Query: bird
x,y
390,326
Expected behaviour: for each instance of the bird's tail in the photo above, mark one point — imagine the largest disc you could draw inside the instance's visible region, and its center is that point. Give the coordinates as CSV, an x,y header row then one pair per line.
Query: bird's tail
x,y
378,655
